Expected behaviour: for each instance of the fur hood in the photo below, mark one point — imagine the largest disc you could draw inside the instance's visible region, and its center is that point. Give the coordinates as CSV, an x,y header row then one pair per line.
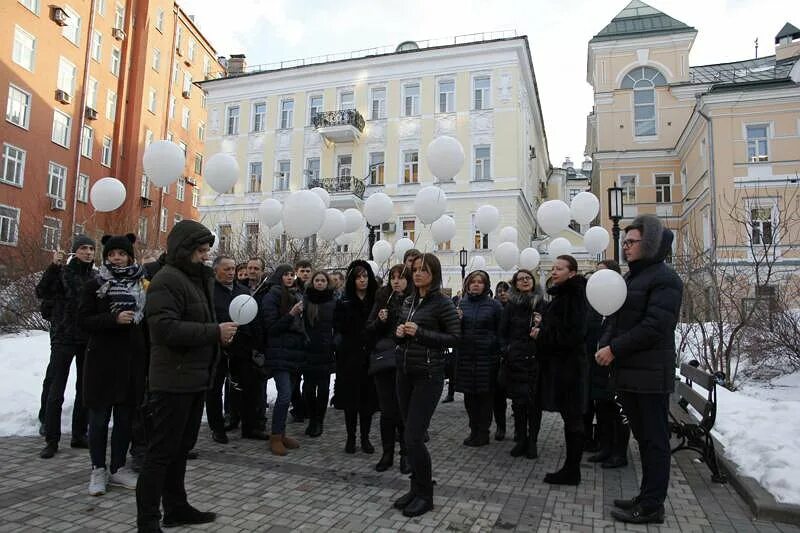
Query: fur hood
x,y
652,235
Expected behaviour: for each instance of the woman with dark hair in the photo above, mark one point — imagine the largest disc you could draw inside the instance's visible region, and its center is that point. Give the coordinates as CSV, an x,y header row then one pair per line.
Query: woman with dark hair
x,y
354,387
521,363
478,354
385,315
319,306
499,406
563,381
282,309
428,326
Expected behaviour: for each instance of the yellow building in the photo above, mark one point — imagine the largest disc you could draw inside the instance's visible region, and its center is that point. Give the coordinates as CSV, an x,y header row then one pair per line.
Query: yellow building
x,y
360,123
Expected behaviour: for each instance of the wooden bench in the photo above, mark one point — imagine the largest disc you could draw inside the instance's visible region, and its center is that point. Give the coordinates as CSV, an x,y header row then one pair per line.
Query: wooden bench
x,y
693,426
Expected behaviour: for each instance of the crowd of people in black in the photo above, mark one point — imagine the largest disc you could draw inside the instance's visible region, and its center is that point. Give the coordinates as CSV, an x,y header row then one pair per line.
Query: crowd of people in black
x,y
155,346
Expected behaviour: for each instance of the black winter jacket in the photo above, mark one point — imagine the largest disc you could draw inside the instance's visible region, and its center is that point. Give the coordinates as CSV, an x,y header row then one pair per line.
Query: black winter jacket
x,y
520,362
479,347
247,336
319,350
286,338
438,329
61,288
382,333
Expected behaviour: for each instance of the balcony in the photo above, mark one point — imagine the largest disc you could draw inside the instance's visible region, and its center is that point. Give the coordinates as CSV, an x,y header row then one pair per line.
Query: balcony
x,y
345,191
342,126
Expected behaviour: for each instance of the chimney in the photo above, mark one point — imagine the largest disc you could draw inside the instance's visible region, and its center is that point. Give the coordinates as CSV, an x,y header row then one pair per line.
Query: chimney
x,y
787,42
567,163
236,64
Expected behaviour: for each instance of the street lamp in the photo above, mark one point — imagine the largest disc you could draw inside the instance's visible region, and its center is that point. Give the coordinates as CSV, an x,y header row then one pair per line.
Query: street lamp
x,y
371,239
463,257
615,211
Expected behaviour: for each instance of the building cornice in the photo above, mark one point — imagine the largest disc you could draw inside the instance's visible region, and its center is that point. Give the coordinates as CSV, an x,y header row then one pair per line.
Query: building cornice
x,y
632,155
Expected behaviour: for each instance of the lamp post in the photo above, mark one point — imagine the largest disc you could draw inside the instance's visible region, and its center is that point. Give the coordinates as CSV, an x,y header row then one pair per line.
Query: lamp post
x,y
463,257
371,239
615,211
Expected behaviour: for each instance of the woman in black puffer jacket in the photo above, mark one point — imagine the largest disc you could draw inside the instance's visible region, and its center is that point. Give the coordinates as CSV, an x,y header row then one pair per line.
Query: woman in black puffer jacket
x,y
428,326
477,354
318,310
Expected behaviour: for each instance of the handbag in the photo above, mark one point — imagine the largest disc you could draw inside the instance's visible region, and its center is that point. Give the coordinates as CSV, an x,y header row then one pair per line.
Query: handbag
x,y
383,357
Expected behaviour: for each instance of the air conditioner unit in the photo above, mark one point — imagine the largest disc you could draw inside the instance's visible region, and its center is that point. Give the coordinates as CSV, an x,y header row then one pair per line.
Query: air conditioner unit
x,y
63,96
388,227
60,16
58,204
91,114
187,94
118,34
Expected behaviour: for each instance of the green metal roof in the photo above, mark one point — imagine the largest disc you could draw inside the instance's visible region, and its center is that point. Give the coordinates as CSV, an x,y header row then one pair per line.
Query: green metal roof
x,y
639,19
788,30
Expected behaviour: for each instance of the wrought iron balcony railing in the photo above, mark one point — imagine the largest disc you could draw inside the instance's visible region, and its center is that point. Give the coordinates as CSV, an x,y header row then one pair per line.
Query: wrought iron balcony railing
x,y
340,185
345,117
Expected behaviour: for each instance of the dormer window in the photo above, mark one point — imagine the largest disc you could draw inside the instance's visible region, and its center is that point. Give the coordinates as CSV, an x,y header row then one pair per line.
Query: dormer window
x,y
643,81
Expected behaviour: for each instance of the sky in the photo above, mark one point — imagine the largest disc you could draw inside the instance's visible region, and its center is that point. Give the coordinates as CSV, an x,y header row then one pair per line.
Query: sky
x,y
558,31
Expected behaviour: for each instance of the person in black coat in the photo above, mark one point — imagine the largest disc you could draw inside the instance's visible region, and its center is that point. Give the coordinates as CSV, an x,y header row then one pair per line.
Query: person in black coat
x,y
638,342
319,306
561,339
428,326
354,390
384,316
111,311
499,405
520,362
477,355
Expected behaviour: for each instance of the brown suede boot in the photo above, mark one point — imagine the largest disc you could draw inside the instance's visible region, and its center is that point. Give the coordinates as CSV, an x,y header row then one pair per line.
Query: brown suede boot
x,y
289,442
276,444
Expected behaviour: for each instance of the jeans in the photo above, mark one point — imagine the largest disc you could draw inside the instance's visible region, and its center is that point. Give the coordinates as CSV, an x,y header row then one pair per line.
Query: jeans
x,y
316,390
120,435
391,422
649,421
283,382
479,412
214,397
61,359
173,423
418,396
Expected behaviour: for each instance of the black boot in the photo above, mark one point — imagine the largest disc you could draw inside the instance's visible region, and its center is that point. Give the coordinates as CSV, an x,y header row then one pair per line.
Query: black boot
x,y
570,473
366,425
520,430
386,461
405,468
350,421
531,451
387,443
350,444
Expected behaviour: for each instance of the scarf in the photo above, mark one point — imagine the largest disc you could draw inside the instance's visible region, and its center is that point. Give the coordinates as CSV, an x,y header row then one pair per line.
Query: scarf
x,y
124,288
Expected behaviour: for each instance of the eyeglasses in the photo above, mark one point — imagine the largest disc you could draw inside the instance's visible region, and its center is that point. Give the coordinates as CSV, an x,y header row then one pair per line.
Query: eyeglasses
x,y
524,278
627,243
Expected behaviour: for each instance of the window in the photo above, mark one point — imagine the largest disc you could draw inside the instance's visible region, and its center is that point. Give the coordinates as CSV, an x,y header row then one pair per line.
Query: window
x,y
206,66
178,38
198,164
171,108
411,100
232,120
287,113
156,59
190,50
312,170
100,6
481,87
628,184
201,131
162,221
115,60
259,116
160,20
105,160
83,188
757,143
572,193
119,17
9,224
66,76
480,241
51,233
97,45
91,93
185,118
18,107
483,167
408,229
111,105
762,227
32,5
663,188
175,73
72,31
643,81
346,100
684,190
24,51
225,234
254,176
378,103
411,167
447,96
148,138
344,166
57,176
251,238
87,139
152,100
187,82
706,218
142,230
314,107
376,168
309,245
283,175
62,124
195,197
184,148
180,189
145,190
13,165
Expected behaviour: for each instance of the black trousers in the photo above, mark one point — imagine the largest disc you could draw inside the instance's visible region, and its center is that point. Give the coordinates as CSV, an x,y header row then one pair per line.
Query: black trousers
x,y
391,421
316,391
479,411
216,421
298,405
173,424
61,356
120,435
499,405
246,388
418,396
648,417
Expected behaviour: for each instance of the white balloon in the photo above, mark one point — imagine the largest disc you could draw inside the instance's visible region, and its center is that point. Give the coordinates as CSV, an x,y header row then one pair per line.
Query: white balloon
x,y
378,208
487,218
374,266
277,229
443,229
429,204
529,258
332,226
606,291
107,194
478,263
584,207
163,162
344,238
303,214
381,251
445,157
596,240
221,172
559,246
323,195
401,247
243,309
553,216
352,220
508,234
270,212
507,255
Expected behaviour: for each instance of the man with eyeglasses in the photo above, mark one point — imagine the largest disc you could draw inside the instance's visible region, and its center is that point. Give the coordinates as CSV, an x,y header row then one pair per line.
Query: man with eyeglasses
x,y
638,342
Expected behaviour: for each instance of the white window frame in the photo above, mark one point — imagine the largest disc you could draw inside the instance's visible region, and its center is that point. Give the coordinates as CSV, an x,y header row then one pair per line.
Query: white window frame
x,y
231,121
187,82
111,105
190,49
259,118
91,93
180,189
11,104
476,233
628,195
377,174
148,137
251,238
410,106
100,7
31,5
97,46
160,20
283,175
83,188
56,180
286,116
142,227
198,164
662,188
485,92
185,117
119,16
449,96
9,225
67,72
162,220
72,30
67,129
201,131
255,181
116,60
757,156
312,109
171,108
411,166
344,169
407,234
16,162
107,152
156,60
341,100
152,100
770,204
311,174
87,141
378,113
51,233
195,197
23,53
484,164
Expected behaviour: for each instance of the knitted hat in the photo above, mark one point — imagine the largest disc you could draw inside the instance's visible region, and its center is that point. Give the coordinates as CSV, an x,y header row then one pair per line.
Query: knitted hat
x,y
81,240
118,242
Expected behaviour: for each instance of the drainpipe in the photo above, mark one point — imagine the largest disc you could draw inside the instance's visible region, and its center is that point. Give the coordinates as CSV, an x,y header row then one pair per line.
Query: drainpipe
x,y
712,179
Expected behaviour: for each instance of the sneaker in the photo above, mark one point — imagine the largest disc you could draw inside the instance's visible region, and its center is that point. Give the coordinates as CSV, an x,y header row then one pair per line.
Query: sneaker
x,y
125,478
97,482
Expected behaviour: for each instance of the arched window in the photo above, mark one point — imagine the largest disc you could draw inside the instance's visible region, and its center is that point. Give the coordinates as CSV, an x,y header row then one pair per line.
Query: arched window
x,y
643,81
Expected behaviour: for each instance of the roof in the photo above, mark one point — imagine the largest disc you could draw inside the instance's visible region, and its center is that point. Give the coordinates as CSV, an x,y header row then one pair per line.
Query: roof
x,y
788,30
639,19
758,70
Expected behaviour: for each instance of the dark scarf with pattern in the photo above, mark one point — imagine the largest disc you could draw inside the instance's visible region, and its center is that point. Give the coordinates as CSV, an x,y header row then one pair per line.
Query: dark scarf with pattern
x,y
124,288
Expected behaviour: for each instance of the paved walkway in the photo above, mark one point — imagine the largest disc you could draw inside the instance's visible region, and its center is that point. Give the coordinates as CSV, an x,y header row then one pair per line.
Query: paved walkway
x,y
320,488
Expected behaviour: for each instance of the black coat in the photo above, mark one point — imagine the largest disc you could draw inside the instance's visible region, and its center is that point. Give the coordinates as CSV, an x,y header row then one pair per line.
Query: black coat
x,y
286,337
479,347
598,375
247,336
520,363
562,348
382,333
114,365
319,356
438,329
60,289
354,387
